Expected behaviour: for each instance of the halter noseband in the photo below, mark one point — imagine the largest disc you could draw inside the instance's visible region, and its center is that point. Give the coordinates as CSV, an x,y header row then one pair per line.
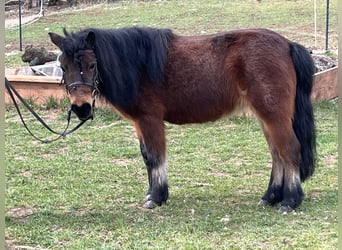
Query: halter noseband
x,y
93,86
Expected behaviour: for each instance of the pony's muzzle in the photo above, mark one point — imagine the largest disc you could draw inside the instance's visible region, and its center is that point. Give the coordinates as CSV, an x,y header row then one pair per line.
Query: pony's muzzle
x,y
83,112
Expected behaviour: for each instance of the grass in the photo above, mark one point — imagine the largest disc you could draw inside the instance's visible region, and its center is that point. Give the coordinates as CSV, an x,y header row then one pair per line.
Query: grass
x,y
85,192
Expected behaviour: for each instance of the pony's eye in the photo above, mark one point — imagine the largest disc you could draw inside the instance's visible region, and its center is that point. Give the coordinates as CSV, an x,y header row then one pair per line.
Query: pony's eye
x,y
92,66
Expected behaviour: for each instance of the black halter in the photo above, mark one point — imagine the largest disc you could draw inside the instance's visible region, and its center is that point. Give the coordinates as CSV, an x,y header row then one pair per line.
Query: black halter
x,y
95,92
12,91
93,86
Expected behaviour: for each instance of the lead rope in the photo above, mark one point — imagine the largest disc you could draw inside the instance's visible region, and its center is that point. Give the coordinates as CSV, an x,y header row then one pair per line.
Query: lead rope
x,y
11,90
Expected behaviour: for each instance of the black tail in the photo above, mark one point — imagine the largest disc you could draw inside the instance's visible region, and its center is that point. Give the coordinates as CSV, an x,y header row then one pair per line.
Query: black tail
x,y
303,121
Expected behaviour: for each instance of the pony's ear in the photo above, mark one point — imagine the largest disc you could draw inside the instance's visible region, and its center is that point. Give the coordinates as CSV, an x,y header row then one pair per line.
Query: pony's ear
x,y
91,39
56,39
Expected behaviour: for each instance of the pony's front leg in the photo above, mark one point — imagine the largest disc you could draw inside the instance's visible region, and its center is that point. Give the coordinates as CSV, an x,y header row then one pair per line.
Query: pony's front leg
x,y
151,136
156,169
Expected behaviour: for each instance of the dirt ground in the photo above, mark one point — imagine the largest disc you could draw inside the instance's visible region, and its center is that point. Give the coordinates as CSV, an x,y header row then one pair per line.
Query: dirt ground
x,y
29,15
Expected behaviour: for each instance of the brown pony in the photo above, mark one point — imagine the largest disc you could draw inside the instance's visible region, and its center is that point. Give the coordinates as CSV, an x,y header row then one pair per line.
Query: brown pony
x,y
153,75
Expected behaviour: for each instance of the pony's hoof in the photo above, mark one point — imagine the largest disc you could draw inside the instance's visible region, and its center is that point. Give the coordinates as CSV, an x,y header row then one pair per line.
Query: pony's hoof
x,y
150,204
264,203
285,209
147,198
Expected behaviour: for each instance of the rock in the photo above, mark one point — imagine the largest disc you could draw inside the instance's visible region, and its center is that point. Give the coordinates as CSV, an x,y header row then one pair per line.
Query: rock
x,y
323,62
37,55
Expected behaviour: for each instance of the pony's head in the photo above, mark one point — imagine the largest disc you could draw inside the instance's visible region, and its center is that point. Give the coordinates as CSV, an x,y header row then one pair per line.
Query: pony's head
x,y
80,76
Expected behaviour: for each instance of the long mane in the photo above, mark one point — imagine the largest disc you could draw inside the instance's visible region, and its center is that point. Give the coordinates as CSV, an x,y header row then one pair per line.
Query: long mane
x,y
124,57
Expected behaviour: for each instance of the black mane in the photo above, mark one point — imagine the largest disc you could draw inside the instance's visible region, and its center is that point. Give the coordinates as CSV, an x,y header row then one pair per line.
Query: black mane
x,y
124,56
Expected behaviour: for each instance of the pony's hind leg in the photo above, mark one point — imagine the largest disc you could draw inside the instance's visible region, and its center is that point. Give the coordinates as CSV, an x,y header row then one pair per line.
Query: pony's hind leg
x,y
285,184
152,145
290,154
274,192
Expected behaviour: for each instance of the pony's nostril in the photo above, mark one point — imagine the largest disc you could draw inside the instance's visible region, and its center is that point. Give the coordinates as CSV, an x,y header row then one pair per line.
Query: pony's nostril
x,y
83,112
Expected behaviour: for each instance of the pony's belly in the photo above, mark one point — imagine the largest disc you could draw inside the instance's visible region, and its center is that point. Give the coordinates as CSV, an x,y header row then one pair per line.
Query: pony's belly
x,y
197,115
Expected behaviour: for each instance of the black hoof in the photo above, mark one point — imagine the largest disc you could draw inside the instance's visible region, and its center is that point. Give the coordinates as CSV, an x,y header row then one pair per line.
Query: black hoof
x,y
283,208
264,203
150,204
286,209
